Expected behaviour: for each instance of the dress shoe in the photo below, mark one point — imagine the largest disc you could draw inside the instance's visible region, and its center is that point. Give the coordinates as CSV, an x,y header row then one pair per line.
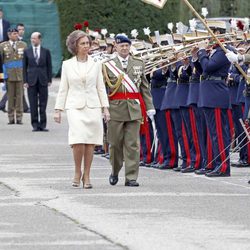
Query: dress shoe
x,y
189,169
249,182
132,183
35,130
148,165
177,169
19,122
113,179
142,164
11,122
26,111
165,167
3,109
156,165
44,130
202,171
99,152
217,173
240,164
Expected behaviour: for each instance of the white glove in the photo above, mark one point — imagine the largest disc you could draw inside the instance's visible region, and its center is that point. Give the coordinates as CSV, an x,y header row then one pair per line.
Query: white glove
x,y
232,57
151,113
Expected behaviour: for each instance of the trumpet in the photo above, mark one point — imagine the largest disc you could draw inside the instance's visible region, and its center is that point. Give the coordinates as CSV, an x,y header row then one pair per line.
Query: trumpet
x,y
151,56
172,58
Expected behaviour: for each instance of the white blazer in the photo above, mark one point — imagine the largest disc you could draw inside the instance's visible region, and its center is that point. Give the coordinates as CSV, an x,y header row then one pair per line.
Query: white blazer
x,y
74,93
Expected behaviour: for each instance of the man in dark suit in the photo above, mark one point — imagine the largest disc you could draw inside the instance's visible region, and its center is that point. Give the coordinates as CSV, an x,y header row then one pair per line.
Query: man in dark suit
x,y
4,26
37,71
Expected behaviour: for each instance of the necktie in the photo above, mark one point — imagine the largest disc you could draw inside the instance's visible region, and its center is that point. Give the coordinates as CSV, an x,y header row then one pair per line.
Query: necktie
x,y
124,64
14,46
36,56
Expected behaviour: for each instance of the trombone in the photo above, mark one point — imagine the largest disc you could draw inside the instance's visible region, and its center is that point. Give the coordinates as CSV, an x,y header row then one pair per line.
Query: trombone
x,y
166,54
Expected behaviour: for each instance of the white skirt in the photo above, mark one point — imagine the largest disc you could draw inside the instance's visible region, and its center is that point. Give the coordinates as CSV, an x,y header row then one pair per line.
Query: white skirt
x,y
85,126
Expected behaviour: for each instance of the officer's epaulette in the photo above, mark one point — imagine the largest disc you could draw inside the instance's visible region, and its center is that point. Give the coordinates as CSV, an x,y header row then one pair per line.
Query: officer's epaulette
x,y
22,42
5,43
136,58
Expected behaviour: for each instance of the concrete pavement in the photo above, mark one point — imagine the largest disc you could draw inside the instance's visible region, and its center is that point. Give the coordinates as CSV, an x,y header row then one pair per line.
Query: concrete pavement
x,y
40,210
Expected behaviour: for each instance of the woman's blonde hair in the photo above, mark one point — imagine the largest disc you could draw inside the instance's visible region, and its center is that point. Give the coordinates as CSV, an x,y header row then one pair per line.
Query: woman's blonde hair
x,y
72,39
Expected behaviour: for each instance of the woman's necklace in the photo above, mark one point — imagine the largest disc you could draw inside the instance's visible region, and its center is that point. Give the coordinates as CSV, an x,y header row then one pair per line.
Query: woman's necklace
x,y
82,60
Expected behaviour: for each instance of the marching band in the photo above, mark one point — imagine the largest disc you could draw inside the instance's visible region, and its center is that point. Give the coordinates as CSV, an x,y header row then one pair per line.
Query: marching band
x,y
199,95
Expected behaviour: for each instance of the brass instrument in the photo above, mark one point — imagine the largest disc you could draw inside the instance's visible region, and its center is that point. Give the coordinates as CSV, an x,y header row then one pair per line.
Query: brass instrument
x,y
155,57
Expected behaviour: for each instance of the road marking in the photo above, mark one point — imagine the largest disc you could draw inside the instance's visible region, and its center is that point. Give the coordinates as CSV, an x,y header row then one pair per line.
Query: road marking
x,y
170,194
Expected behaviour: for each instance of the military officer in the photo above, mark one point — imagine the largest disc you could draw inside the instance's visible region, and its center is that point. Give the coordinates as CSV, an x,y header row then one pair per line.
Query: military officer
x,y
12,55
174,126
215,101
158,86
130,97
187,115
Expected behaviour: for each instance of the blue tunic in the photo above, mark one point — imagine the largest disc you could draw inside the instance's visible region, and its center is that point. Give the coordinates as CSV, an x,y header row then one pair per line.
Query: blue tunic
x,y
169,101
182,89
214,92
158,87
194,84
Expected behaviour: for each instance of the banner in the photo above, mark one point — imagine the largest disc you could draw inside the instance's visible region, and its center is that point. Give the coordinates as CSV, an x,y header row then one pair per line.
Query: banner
x,y
157,3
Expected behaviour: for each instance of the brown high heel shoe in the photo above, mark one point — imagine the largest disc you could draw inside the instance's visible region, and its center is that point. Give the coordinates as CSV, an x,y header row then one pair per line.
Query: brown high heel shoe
x,y
76,183
86,185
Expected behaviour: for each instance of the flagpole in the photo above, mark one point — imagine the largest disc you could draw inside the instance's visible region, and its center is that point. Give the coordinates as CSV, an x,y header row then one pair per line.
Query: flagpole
x,y
217,40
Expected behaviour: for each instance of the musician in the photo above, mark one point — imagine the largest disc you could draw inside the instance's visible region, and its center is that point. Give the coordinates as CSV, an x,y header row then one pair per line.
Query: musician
x,y
174,126
204,140
128,91
215,101
188,119
158,87
236,85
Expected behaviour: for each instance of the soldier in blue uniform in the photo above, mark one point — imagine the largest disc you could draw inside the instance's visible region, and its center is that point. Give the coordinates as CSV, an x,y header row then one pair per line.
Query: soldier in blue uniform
x,y
158,87
193,100
175,128
182,91
236,85
215,101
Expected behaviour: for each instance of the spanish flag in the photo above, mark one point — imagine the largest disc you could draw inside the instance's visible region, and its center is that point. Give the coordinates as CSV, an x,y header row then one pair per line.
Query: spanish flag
x,y
157,3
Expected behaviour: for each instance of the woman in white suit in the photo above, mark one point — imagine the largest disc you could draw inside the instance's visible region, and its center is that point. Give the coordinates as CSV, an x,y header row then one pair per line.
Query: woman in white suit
x,y
83,95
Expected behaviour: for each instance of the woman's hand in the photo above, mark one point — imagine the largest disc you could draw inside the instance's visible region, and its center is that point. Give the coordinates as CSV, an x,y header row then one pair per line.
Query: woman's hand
x,y
106,114
57,116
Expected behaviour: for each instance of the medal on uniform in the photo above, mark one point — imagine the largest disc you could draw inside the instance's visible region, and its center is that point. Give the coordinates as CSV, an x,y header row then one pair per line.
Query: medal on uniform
x,y
137,73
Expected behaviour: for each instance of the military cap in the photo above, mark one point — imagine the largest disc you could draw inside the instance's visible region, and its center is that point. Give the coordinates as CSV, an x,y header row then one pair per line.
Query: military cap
x,y
122,39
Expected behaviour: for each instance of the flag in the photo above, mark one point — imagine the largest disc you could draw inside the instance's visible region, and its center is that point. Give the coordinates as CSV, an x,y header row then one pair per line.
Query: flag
x,y
157,3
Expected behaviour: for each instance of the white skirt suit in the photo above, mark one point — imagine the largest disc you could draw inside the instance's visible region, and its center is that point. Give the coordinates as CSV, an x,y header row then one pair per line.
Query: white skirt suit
x,y
82,94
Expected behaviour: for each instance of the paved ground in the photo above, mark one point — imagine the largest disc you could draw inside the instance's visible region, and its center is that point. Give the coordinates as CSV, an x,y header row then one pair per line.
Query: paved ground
x,y
40,210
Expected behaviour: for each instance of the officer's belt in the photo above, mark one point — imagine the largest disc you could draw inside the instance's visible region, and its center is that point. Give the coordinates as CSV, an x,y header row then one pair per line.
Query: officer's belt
x,y
179,81
171,80
194,79
124,96
158,87
212,78
14,64
131,96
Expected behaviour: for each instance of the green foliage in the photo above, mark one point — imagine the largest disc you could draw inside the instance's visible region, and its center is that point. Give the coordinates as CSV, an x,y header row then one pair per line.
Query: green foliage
x,y
124,15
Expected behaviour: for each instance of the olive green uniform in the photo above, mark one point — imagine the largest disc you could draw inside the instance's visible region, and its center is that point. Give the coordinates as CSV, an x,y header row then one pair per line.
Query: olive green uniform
x,y
126,118
12,60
